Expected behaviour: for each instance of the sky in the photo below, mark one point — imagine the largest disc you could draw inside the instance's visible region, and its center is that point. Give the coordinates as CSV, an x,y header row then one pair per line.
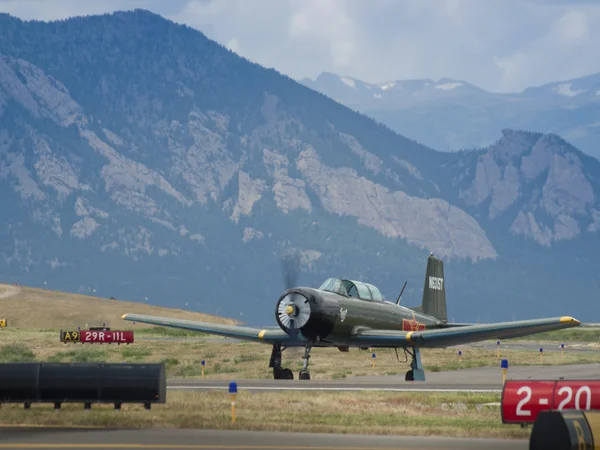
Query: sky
x,y
499,45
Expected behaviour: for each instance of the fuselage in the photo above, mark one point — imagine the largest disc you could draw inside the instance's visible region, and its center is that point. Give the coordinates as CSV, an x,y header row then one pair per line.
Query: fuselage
x,y
333,317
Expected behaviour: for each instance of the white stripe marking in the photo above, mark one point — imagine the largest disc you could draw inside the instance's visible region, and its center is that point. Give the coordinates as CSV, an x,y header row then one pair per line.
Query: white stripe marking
x,y
277,388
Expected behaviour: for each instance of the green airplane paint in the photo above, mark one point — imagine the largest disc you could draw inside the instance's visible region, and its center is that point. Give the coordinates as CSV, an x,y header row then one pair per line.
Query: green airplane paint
x,y
346,313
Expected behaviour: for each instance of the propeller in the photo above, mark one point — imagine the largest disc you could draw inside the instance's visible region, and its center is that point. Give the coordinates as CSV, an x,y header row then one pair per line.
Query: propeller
x,y
293,310
290,266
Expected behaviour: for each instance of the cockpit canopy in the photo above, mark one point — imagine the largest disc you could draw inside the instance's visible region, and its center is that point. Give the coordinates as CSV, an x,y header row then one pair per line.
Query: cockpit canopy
x,y
351,288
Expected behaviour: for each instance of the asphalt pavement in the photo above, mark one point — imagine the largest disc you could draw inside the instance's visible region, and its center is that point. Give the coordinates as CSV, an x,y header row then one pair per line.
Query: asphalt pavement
x,y
480,379
476,379
52,438
534,346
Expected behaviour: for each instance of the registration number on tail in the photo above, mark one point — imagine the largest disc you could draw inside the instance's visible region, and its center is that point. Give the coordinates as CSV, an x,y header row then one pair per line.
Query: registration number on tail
x,y
436,283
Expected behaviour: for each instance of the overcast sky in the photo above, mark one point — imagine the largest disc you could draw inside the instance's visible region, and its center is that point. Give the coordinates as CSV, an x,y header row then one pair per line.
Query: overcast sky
x,y
499,45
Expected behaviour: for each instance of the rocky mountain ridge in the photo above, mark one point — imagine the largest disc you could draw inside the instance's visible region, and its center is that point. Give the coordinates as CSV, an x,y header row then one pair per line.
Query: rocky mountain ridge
x,y
140,159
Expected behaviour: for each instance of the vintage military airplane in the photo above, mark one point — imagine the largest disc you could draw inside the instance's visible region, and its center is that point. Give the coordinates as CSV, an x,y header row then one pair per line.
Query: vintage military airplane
x,y
344,313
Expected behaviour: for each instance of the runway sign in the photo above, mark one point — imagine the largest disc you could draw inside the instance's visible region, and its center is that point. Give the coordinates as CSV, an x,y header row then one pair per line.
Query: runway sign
x,y
577,430
97,337
523,400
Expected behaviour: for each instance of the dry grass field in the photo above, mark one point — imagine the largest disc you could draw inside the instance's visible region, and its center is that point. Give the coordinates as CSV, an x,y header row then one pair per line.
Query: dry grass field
x,y
26,307
36,316
463,415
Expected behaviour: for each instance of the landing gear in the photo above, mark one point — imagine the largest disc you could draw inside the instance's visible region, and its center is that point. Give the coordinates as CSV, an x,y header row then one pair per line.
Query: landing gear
x,y
304,373
275,363
416,373
286,374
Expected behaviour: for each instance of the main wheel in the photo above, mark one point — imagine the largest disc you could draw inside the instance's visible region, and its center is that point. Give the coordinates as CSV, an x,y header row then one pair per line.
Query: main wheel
x,y
277,373
287,374
304,375
410,376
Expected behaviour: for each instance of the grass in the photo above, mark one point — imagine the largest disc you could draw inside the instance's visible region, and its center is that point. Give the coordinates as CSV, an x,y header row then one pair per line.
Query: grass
x,y
36,317
225,359
579,334
16,352
26,307
451,414
463,415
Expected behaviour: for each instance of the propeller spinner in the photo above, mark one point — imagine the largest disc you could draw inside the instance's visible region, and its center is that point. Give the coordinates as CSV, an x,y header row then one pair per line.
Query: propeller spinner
x,y
293,311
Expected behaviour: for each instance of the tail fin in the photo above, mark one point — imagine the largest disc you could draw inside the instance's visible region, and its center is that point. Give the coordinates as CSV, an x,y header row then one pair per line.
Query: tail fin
x,y
434,291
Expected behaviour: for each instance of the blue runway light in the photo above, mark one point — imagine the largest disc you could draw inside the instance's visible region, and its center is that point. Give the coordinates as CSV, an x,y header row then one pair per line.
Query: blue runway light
x,y
504,364
233,387
203,363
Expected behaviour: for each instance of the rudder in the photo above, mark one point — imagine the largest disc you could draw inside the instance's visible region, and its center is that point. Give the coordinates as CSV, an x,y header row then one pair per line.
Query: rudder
x,y
434,291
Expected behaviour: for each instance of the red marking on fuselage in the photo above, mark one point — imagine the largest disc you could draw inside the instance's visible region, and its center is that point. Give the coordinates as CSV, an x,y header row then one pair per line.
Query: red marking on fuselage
x,y
412,325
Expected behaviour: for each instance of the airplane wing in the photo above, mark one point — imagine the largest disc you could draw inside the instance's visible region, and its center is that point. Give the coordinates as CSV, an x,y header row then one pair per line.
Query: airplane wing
x,y
446,337
266,335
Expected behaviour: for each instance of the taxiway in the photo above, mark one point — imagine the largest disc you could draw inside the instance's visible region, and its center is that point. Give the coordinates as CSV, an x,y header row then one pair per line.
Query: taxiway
x,y
480,379
156,439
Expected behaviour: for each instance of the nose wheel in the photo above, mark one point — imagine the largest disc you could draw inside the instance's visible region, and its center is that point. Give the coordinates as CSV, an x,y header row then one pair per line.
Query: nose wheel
x,y
304,373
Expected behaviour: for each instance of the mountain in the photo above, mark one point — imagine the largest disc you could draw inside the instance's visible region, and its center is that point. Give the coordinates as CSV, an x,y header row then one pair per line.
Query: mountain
x,y
141,160
453,114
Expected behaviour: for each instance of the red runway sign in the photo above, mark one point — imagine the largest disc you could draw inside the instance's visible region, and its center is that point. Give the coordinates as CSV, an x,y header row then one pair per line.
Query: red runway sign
x,y
522,400
97,337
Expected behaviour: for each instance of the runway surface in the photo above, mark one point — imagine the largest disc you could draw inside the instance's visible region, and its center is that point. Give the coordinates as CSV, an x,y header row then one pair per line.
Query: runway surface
x,y
481,379
41,438
534,346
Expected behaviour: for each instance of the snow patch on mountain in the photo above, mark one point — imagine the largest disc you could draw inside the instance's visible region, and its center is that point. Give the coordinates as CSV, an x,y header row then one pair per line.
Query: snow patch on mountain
x,y
348,82
448,86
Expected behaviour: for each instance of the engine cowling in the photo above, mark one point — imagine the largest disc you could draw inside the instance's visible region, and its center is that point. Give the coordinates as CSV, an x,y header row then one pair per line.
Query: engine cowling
x,y
306,311
293,312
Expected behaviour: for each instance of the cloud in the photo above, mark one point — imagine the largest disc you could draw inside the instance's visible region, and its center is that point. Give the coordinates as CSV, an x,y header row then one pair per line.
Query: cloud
x,y
233,45
564,51
325,23
61,9
500,45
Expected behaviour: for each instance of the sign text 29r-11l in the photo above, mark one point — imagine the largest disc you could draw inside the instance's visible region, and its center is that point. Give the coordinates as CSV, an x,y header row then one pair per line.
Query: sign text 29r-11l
x,y
97,337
